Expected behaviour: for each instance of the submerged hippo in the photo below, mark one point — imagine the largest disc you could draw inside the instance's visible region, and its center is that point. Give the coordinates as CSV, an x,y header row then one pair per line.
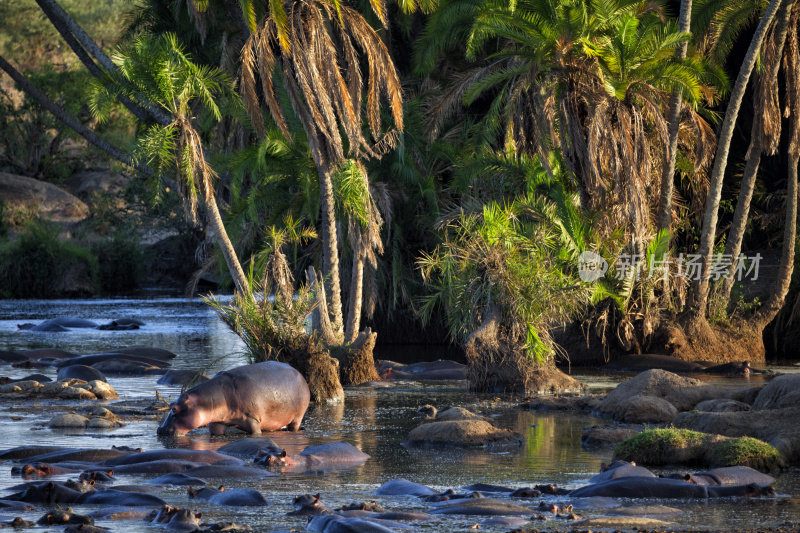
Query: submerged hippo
x,y
643,487
730,475
86,373
619,469
59,324
325,456
232,497
338,524
404,487
263,396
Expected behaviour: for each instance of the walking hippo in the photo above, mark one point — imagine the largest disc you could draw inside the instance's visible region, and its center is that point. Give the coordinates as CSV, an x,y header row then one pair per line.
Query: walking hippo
x,y
325,456
259,397
643,487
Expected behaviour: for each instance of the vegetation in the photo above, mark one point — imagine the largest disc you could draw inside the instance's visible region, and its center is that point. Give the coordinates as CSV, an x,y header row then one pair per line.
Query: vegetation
x,y
672,446
461,183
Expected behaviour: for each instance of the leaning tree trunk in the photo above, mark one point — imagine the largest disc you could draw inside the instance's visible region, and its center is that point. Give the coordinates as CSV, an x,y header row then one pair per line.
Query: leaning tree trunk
x,y
699,295
668,172
766,96
70,121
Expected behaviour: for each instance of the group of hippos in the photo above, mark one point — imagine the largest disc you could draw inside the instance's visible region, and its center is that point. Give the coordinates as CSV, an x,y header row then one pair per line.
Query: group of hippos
x,y
270,396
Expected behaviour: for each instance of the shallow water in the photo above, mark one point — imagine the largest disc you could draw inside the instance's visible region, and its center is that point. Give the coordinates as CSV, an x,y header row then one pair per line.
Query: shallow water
x,y
375,420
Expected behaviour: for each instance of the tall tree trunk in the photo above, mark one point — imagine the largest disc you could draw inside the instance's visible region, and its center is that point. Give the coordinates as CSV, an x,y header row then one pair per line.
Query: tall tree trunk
x,y
698,301
776,300
758,144
61,19
356,298
225,246
330,246
668,172
69,120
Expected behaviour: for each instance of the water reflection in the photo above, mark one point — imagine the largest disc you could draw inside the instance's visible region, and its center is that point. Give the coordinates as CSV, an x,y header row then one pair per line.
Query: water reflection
x,y
375,420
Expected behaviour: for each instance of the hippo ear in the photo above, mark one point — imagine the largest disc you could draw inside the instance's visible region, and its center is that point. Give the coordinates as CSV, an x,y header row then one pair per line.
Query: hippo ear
x,y
221,488
110,472
198,515
316,496
175,408
283,453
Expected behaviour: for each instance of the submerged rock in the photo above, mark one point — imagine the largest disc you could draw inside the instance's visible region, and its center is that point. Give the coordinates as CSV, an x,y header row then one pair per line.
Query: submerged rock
x,y
463,433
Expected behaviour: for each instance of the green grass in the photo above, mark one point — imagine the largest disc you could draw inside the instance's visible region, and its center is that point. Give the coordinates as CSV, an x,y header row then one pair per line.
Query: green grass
x,y
683,446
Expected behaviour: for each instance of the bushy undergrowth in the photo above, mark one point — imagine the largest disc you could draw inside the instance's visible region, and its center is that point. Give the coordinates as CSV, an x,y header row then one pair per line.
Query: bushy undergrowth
x,y
119,261
32,264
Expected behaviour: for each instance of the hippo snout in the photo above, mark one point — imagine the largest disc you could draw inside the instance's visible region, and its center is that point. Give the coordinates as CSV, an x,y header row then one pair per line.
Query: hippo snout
x,y
167,426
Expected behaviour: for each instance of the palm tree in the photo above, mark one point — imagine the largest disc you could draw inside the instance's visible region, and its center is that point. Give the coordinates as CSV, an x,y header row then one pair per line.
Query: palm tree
x,y
314,52
698,301
591,79
159,71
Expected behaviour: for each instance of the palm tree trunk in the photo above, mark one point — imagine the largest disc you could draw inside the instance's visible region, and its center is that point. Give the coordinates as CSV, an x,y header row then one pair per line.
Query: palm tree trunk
x,y
69,120
330,246
698,301
356,298
64,23
225,246
769,81
668,172
776,300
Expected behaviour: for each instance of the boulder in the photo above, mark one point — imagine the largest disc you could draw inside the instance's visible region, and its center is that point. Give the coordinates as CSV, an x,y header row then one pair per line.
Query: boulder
x,y
771,425
103,390
463,433
657,396
457,413
722,406
781,391
76,393
602,436
68,420
87,183
45,199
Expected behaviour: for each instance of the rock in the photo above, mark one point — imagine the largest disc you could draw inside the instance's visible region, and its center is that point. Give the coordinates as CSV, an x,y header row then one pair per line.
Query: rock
x,y
45,199
103,390
464,433
53,388
68,420
621,522
722,406
601,436
87,183
457,413
657,396
768,425
673,446
781,391
76,393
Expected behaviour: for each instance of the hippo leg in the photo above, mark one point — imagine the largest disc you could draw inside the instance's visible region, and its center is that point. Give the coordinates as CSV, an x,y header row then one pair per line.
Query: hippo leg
x,y
252,426
294,425
217,428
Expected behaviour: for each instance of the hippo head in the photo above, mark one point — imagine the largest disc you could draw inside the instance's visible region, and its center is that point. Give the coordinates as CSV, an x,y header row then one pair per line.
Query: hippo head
x,y
276,459
183,415
755,490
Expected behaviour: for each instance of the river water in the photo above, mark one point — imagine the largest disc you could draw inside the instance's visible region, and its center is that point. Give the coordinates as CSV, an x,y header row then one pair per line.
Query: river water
x,y
375,420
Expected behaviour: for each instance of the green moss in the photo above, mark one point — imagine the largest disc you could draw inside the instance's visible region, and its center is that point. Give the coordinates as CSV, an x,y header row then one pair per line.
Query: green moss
x,y
750,452
682,446
659,446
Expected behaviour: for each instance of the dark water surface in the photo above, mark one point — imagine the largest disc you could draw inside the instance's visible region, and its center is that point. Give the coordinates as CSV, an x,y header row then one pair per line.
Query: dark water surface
x,y
375,420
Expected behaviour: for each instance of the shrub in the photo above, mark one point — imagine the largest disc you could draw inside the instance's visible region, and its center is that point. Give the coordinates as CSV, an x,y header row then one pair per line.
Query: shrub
x,y
119,260
37,264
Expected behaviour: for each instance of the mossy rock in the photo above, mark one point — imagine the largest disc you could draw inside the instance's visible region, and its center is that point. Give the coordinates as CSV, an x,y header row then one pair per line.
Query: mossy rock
x,y
674,446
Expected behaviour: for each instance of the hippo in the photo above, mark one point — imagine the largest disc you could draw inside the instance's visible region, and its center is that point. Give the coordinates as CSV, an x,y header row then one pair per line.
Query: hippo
x,y
182,377
176,478
121,324
60,518
642,487
251,447
486,487
259,397
119,497
220,471
307,505
87,455
730,369
232,497
59,325
48,492
423,371
12,357
86,528
730,475
451,494
143,354
24,452
323,457
176,518
404,487
178,454
338,524
619,469
40,470
163,466
642,362
86,373
122,366
482,507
